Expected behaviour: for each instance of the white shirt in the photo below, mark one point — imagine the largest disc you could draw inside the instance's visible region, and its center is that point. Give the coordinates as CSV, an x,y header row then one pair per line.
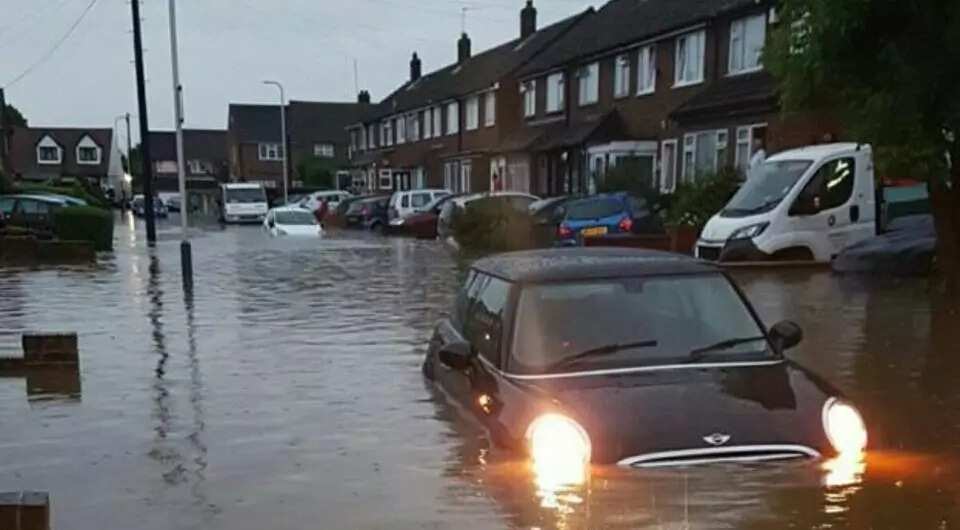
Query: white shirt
x,y
756,161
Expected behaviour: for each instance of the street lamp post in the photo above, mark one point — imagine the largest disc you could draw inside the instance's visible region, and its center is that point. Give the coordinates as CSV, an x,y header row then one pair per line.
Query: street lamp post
x,y
186,255
283,137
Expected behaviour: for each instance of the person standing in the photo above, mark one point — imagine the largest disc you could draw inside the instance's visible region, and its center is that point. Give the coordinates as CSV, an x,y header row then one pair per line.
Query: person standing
x,y
497,184
321,212
758,158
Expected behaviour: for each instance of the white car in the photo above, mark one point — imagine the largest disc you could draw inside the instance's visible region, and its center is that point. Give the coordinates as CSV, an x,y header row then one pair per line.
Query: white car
x,y
404,203
312,201
292,221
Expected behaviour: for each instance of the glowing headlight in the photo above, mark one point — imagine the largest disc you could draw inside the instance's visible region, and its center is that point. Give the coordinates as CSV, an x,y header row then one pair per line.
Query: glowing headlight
x,y
749,232
844,427
560,449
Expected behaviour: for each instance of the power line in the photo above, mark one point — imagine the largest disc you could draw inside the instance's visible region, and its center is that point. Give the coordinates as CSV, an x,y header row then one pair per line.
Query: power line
x,y
55,47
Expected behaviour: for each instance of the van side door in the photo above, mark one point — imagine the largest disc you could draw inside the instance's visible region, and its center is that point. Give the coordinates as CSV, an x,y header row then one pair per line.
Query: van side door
x,y
827,210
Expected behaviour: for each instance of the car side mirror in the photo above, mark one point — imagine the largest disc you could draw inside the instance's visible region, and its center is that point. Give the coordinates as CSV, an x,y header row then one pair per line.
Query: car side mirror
x,y
456,355
786,335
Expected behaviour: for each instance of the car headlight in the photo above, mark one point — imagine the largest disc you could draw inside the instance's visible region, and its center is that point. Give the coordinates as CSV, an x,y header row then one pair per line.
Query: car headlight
x,y
750,232
559,448
397,222
845,428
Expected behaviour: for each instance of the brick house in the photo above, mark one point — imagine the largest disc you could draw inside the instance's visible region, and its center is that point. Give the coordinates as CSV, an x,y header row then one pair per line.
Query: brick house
x,y
675,87
442,129
205,158
47,153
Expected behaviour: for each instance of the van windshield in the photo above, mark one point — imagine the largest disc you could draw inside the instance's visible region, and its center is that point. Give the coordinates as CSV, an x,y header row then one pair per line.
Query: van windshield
x,y
245,195
765,189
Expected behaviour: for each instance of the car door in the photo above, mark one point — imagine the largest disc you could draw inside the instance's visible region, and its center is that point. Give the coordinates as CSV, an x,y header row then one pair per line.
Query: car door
x,y
36,214
6,209
826,210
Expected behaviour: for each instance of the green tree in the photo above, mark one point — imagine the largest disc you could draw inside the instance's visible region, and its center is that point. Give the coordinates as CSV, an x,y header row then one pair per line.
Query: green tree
x,y
316,172
13,117
890,70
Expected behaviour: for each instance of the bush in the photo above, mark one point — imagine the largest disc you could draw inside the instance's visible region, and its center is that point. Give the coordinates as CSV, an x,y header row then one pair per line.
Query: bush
x,y
5,185
490,225
624,177
694,203
85,223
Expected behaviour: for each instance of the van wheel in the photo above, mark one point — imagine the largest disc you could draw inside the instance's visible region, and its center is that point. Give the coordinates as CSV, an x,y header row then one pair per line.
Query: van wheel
x,y
793,254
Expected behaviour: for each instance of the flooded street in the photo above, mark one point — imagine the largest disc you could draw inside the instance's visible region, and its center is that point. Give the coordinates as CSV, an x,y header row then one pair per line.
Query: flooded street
x,y
287,394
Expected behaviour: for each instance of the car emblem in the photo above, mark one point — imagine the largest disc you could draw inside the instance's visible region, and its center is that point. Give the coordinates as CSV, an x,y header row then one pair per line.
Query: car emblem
x,y
717,439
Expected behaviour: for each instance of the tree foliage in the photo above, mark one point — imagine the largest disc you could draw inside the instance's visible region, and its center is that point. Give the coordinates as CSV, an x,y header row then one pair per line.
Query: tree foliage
x,y
316,172
13,117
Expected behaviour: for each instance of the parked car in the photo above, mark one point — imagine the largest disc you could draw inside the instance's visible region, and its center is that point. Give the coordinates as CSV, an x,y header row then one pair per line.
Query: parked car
x,y
370,213
292,221
35,212
404,203
606,214
519,201
139,207
171,201
637,358
547,214
421,224
332,197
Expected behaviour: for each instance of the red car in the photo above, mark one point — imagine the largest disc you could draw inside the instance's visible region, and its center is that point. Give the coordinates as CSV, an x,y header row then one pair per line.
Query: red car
x,y
421,224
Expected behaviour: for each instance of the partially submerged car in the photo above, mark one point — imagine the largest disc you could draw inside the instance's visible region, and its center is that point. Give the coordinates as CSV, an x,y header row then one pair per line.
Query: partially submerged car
x,y
292,221
630,357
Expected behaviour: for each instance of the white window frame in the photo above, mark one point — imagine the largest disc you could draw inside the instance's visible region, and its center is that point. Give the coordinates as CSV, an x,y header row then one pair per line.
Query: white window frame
x,y
413,127
385,176
372,136
699,39
324,150
663,157
647,64
86,142
453,118
739,42
529,90
196,167
437,122
738,163
270,152
490,109
691,147
48,142
555,92
472,117
588,82
621,76
401,125
427,124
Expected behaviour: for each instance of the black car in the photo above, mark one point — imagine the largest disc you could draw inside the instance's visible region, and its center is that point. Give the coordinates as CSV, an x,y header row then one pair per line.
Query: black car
x,y
369,213
34,212
630,357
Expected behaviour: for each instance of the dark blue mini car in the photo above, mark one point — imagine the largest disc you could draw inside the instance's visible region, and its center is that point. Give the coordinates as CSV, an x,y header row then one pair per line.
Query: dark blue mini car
x,y
607,214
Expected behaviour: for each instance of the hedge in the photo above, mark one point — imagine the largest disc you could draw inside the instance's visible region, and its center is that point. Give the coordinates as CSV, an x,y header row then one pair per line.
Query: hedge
x,y
491,225
85,223
5,185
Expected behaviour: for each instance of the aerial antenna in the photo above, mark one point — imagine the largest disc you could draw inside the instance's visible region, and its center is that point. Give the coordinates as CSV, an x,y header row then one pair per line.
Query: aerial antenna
x,y
356,78
463,19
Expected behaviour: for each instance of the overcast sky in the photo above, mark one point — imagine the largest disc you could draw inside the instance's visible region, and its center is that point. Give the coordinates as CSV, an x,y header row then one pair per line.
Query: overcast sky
x,y
227,47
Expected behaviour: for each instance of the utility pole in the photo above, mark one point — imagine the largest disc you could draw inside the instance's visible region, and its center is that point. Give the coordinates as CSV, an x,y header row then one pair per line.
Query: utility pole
x,y
147,168
283,136
3,133
186,254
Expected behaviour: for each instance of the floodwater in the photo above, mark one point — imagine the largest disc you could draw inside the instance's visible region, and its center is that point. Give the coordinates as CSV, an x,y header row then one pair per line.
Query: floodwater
x,y
287,394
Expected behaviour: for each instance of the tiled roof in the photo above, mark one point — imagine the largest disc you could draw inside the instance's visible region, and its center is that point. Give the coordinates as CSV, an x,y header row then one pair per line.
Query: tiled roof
x,y
477,73
198,144
731,96
623,22
23,151
316,121
254,123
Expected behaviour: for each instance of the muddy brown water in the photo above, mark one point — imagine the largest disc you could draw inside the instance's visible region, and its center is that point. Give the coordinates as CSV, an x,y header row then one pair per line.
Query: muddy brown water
x,y
286,394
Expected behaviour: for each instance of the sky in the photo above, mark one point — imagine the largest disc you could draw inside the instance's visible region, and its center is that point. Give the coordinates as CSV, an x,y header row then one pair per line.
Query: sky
x,y
228,47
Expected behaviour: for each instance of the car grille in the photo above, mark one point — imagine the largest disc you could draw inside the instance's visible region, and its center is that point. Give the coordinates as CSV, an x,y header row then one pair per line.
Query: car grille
x,y
747,453
708,253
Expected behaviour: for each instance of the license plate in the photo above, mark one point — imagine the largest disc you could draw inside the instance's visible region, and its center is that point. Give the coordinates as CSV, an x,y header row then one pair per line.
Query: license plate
x,y
596,231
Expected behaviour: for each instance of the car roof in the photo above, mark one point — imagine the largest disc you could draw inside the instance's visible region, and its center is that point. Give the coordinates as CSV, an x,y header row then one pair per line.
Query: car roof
x,y
289,209
243,186
817,152
463,199
42,198
586,263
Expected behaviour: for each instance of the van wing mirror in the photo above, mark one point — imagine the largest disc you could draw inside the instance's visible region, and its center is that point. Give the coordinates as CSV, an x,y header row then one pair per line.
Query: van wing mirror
x,y
456,355
786,335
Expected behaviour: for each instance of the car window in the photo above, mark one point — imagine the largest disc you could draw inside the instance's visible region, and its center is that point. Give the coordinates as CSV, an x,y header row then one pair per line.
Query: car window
x,y
483,327
446,213
672,315
405,201
32,207
832,185
463,299
636,204
419,200
6,205
520,204
594,208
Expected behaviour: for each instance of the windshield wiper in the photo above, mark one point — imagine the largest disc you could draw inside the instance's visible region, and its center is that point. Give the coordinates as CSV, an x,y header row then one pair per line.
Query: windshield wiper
x,y
697,354
601,351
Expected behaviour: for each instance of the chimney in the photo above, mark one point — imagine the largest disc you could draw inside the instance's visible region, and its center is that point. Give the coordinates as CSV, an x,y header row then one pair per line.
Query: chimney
x,y
363,97
463,48
415,67
528,20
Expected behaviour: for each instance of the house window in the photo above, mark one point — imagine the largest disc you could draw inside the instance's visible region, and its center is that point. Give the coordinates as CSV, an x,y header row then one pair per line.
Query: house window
x,y
555,92
529,99
401,130
323,150
473,113
589,84
386,179
413,127
453,118
466,174
48,154
372,133
386,133
490,109
271,152
668,167
747,37
621,76
703,153
196,167
689,60
427,124
646,71
88,155
745,150
437,122
450,172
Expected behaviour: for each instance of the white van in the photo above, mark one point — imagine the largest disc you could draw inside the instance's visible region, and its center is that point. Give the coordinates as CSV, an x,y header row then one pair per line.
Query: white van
x,y
243,203
333,197
804,204
404,203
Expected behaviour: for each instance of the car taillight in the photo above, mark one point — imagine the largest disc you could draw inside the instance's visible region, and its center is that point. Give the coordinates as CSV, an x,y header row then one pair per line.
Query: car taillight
x,y
564,232
626,224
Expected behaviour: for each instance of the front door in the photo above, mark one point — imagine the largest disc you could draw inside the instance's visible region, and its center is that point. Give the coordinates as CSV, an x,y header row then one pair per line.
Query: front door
x,y
827,212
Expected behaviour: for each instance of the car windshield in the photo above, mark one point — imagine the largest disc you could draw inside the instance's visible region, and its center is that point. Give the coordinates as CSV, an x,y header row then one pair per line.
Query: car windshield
x,y
633,322
295,217
594,208
766,188
245,195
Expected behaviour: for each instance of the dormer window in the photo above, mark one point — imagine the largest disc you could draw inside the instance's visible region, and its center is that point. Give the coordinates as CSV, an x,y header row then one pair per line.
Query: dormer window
x,y
88,152
49,152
